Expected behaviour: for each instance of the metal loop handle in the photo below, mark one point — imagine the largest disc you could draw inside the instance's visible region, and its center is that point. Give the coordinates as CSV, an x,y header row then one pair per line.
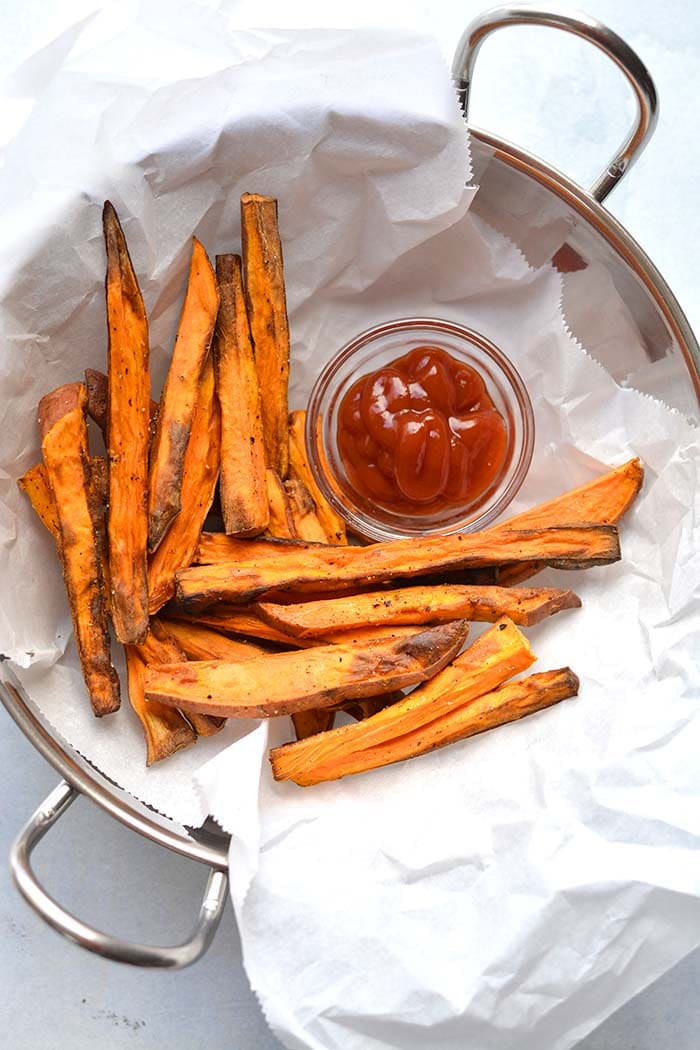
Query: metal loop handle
x,y
595,32
86,936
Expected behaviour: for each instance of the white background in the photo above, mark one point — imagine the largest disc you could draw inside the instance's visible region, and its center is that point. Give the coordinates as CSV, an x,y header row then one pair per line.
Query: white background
x,y
564,102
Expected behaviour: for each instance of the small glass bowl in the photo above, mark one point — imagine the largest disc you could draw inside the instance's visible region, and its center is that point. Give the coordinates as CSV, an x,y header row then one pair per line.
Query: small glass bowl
x,y
377,347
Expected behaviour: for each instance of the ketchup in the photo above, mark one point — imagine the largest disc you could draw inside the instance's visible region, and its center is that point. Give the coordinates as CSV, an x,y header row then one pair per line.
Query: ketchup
x,y
421,434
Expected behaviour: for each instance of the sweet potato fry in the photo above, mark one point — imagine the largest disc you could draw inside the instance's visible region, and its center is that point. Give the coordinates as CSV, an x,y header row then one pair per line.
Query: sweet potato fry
x,y
316,569
315,720
362,709
417,605
496,656
302,509
98,496
161,647
64,445
283,683
165,729
321,719
360,634
267,313
242,486
179,398
35,485
201,643
215,547
281,522
127,436
333,525
602,501
235,620
97,386
517,573
507,703
199,477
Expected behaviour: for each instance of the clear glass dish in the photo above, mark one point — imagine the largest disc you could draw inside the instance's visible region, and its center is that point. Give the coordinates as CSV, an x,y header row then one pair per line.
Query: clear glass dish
x,y
378,347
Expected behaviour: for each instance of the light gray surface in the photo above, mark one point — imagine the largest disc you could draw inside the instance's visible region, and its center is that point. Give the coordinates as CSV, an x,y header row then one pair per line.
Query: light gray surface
x,y
54,995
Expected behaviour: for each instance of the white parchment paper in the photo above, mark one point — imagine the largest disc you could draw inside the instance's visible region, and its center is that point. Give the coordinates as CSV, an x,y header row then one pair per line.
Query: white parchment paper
x,y
359,136
512,890
509,892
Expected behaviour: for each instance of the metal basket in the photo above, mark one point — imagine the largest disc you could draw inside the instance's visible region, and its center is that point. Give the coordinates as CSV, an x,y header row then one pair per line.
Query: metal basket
x,y
514,188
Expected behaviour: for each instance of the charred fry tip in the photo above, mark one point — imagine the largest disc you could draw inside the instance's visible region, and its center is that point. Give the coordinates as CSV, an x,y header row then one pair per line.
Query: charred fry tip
x,y
571,679
112,227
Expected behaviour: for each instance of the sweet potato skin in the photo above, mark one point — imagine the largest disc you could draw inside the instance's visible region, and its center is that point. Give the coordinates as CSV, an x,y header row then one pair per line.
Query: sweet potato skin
x,y
165,730
242,487
267,312
299,466
507,703
97,386
65,450
284,683
417,605
127,436
315,720
199,477
316,569
179,398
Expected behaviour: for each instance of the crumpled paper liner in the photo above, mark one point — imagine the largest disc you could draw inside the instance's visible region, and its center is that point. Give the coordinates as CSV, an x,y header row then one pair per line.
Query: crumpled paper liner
x,y
360,137
512,890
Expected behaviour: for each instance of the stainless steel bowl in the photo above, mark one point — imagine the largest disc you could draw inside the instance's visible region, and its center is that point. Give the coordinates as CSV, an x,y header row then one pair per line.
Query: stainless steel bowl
x,y
520,196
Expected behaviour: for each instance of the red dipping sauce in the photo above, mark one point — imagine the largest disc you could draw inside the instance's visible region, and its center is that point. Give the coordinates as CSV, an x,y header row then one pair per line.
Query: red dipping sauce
x,y
421,434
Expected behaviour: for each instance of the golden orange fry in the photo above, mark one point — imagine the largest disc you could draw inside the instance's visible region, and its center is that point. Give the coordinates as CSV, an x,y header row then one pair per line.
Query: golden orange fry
x,y
203,643
332,568
35,485
65,449
180,394
507,703
199,477
333,525
492,659
267,313
601,501
128,436
302,509
164,728
283,683
243,486
416,605
161,647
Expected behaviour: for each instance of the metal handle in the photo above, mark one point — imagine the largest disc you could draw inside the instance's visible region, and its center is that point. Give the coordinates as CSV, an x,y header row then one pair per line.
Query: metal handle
x,y
86,936
587,28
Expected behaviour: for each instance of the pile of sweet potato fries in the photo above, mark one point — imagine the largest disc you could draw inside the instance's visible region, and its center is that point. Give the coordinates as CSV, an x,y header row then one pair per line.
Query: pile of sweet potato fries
x,y
318,626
